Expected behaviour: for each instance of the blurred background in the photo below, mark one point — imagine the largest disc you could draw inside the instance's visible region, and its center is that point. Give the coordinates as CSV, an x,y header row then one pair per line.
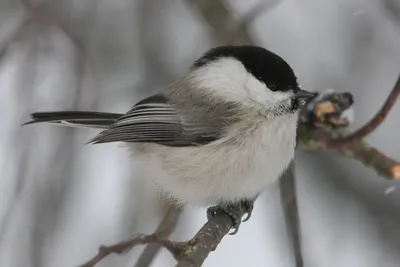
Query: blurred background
x,y
61,199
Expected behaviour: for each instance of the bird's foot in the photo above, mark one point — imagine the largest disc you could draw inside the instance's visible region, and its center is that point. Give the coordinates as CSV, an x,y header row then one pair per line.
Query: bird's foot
x,y
232,209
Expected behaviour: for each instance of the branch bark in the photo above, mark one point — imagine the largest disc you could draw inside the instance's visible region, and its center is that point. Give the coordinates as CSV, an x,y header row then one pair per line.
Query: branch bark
x,y
374,122
318,141
191,253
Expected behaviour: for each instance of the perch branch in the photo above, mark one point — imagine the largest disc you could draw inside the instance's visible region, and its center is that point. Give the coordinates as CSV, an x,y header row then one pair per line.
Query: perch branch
x,y
191,253
317,141
373,158
369,127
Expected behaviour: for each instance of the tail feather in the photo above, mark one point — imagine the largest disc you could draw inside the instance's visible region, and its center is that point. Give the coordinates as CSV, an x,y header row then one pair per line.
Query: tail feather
x,y
86,119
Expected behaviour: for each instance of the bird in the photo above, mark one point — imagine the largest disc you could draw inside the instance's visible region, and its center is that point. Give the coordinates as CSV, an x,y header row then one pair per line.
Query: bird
x,y
215,137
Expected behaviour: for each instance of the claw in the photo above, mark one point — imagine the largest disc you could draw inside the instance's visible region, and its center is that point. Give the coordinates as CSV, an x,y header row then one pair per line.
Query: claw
x,y
231,210
249,207
211,211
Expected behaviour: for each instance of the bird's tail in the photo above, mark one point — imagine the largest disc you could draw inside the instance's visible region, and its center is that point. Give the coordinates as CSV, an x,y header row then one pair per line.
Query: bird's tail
x,y
87,119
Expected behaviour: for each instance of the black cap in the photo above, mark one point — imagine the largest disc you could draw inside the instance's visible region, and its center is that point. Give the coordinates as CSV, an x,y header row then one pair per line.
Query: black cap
x,y
263,64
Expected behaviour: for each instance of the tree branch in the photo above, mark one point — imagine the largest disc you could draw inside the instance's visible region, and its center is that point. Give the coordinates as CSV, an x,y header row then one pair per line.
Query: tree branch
x,y
287,184
258,10
374,122
166,226
225,28
13,37
317,140
191,253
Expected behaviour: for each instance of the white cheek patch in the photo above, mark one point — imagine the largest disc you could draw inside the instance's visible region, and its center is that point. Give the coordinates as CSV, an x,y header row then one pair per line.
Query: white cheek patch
x,y
261,94
228,79
224,78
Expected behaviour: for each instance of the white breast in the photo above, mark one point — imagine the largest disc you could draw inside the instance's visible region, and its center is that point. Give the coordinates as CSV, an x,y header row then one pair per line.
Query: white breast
x,y
225,170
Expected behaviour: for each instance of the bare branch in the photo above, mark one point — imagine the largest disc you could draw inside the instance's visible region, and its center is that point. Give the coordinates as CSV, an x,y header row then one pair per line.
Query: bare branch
x,y
317,141
321,122
191,253
287,187
39,14
392,9
373,158
374,122
169,222
123,247
208,238
14,36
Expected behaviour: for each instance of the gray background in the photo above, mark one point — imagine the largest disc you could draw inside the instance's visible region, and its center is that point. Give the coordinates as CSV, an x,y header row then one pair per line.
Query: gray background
x,y
60,199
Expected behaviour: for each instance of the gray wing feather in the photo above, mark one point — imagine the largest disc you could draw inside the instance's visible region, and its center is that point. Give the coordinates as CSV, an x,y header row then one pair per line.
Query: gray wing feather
x,y
156,120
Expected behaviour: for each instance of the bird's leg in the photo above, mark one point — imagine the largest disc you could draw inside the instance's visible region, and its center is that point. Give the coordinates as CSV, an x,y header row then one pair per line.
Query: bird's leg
x,y
232,209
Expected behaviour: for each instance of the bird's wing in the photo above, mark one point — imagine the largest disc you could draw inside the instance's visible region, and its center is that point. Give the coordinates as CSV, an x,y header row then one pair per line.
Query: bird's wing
x,y
86,119
156,120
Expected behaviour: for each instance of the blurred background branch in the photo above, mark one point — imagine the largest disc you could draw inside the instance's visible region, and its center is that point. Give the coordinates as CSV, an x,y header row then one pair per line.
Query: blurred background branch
x,y
166,226
287,183
223,26
57,194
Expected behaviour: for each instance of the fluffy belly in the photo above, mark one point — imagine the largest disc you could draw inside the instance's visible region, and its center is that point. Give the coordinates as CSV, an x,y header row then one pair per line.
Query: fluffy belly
x,y
209,174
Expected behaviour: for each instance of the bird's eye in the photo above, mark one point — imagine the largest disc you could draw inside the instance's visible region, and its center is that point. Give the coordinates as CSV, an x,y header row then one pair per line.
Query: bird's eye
x,y
272,87
294,103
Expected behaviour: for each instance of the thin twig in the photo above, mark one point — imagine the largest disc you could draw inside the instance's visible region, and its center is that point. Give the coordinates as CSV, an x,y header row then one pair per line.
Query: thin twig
x,y
287,187
373,158
373,123
122,247
190,253
169,222
316,140
368,155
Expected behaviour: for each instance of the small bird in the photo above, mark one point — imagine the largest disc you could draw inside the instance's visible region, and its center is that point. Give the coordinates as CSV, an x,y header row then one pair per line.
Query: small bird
x,y
217,136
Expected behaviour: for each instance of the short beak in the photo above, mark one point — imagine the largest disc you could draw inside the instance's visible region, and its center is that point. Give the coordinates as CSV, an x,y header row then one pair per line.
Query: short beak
x,y
303,94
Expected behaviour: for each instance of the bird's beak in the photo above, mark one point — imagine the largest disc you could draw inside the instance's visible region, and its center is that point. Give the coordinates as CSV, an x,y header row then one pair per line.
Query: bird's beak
x,y
303,94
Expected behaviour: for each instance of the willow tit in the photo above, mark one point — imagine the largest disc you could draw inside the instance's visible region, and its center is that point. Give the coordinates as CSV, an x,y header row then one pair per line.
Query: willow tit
x,y
217,136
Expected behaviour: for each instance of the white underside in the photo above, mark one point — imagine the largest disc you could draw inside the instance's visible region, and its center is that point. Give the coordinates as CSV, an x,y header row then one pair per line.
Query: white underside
x,y
222,171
